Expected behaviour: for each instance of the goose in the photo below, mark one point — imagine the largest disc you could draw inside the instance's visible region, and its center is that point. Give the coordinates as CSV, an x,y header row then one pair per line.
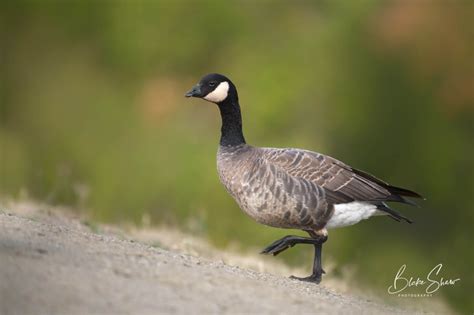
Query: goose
x,y
293,188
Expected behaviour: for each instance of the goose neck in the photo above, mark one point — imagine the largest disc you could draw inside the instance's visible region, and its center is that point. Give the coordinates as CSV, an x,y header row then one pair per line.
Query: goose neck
x,y
231,130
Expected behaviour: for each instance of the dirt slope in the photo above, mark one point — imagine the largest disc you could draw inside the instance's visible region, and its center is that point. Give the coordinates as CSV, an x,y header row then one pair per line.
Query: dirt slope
x,y
55,265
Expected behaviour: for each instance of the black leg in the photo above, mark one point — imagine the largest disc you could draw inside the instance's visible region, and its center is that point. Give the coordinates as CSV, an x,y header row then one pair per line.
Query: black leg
x,y
291,240
317,266
286,242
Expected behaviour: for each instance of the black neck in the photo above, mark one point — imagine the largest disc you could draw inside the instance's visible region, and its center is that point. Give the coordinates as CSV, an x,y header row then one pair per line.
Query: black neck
x,y
231,131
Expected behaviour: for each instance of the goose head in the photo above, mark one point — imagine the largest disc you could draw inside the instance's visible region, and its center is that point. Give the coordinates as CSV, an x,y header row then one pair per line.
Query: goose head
x,y
215,88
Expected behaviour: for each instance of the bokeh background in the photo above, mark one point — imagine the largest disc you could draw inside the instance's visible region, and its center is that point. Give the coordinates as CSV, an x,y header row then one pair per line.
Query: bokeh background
x,y
92,115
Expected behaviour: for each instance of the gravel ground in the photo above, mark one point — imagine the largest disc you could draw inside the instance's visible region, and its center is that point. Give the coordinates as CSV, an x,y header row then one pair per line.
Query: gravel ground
x,y
57,265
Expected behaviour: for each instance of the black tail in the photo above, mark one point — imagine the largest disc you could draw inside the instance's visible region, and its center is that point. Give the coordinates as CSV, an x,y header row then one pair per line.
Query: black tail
x,y
397,216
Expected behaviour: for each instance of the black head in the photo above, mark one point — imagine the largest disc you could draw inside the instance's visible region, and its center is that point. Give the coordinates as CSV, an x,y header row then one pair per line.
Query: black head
x,y
214,88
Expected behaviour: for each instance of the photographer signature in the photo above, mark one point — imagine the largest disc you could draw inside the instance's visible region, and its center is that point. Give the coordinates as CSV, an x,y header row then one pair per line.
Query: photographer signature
x,y
432,281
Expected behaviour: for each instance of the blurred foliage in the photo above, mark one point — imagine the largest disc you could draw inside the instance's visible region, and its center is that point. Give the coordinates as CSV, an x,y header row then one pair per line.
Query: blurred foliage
x,y
92,114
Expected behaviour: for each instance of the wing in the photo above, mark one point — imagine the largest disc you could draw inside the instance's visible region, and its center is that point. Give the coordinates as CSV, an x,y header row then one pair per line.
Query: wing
x,y
341,182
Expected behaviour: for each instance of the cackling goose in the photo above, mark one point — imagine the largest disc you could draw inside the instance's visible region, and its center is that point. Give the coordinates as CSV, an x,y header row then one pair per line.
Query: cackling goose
x,y
292,188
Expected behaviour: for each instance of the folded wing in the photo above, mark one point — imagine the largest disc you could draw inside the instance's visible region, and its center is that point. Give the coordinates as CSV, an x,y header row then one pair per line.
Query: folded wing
x,y
341,182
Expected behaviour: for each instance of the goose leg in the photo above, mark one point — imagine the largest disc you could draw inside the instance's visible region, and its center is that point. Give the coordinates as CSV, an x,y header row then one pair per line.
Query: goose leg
x,y
317,262
286,242
291,240
317,266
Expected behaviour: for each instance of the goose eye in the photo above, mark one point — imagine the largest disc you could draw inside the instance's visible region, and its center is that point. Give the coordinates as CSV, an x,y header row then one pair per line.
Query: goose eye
x,y
212,84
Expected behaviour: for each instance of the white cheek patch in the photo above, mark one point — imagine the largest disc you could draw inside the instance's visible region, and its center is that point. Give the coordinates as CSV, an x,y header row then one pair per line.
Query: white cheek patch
x,y
219,94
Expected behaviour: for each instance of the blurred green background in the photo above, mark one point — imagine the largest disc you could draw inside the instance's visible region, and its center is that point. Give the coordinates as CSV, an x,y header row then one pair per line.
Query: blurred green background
x,y
92,115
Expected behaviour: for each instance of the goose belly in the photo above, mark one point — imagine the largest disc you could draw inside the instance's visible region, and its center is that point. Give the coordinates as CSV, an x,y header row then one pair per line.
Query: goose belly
x,y
264,207
266,212
346,214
